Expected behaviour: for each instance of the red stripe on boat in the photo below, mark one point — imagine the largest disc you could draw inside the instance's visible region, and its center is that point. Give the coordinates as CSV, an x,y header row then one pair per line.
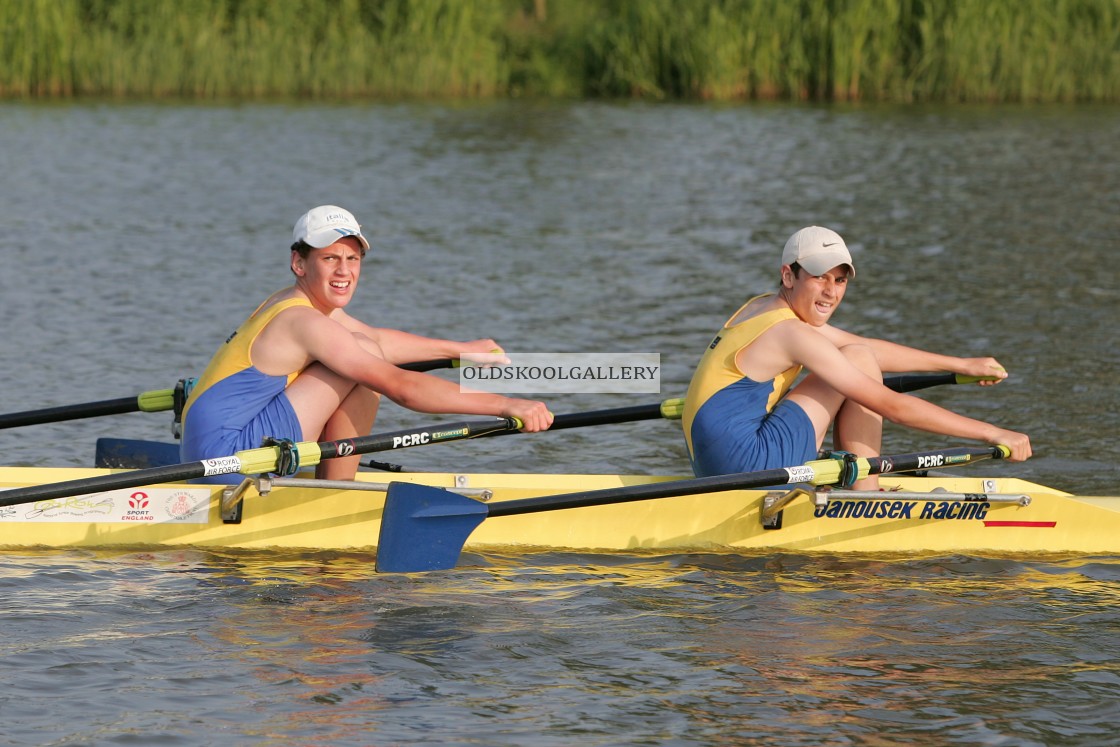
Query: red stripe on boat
x,y
1040,524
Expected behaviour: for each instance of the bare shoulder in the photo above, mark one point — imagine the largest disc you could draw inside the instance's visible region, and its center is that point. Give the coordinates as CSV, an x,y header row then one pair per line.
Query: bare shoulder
x,y
800,340
753,307
775,349
304,326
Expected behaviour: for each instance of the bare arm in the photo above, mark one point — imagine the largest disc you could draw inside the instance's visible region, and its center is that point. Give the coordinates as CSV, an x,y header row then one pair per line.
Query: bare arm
x,y
804,346
895,358
405,347
318,338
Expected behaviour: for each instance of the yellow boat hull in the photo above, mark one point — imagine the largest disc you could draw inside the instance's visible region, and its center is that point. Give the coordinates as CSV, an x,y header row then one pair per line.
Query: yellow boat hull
x,y
1048,521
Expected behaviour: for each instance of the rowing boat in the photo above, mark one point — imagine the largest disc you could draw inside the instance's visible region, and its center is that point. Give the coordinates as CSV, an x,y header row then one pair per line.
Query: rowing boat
x,y
936,512
421,521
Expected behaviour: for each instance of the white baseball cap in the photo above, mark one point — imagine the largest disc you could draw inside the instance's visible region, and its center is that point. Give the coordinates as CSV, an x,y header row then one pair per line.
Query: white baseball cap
x,y
818,250
322,226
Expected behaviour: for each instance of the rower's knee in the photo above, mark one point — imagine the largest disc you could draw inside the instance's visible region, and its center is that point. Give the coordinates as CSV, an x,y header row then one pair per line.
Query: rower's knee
x,y
863,358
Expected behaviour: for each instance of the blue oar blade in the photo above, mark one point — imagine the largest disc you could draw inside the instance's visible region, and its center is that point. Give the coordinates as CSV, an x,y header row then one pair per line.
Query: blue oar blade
x,y
424,528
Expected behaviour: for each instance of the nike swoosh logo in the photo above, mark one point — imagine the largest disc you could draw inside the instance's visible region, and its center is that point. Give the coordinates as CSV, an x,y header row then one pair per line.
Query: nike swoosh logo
x,y
834,243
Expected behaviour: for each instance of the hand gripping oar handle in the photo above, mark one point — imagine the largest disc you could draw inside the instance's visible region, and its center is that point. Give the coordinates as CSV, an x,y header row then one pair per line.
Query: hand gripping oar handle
x,y
424,528
158,400
670,409
259,461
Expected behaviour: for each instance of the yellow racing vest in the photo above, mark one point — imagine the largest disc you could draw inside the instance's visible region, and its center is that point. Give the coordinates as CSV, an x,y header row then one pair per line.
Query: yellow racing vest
x,y
718,370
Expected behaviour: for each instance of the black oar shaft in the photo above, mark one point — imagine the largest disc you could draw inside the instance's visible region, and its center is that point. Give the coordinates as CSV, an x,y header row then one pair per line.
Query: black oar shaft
x,y
70,412
416,437
160,400
257,461
103,484
431,365
608,496
822,471
154,401
912,382
424,528
600,417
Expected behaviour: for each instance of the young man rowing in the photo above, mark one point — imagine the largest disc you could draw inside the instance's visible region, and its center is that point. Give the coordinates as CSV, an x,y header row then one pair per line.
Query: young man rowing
x,y
303,369
743,413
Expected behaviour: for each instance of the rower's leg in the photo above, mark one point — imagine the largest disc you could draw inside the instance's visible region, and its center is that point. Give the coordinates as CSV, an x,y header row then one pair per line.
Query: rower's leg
x,y
856,428
354,417
330,408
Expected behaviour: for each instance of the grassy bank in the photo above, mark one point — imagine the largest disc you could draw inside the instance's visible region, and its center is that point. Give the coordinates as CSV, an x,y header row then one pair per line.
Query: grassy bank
x,y
872,50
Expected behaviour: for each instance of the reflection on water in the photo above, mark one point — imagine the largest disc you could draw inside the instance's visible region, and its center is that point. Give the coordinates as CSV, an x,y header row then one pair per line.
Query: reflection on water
x,y
701,649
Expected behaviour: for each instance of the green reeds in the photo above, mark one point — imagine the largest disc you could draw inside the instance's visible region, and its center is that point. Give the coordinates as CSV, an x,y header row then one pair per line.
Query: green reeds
x,y
875,50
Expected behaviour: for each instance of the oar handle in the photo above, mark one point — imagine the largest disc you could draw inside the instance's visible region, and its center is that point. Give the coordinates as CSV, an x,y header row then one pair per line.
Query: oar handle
x,y
431,365
912,382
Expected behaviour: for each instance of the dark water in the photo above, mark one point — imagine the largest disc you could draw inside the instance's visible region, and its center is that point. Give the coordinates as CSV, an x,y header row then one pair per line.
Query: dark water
x,y
134,237
193,648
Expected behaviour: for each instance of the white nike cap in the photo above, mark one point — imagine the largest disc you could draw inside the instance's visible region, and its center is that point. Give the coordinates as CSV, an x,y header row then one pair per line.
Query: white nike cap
x,y
818,250
322,226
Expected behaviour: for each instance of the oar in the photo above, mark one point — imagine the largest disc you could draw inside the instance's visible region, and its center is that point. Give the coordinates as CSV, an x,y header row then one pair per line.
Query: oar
x,y
912,382
155,401
284,459
671,409
424,528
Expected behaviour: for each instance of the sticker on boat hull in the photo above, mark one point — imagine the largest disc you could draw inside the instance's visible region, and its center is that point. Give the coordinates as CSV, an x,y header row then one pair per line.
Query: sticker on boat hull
x,y
145,506
967,510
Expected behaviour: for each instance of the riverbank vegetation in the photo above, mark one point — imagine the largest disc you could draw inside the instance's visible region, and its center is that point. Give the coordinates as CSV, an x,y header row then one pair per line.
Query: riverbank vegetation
x,y
725,50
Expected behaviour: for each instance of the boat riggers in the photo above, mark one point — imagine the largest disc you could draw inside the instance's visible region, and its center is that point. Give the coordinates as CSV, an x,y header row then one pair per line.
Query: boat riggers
x,y
424,528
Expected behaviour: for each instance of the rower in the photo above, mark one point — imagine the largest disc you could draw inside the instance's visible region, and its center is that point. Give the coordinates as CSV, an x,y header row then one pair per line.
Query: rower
x,y
300,368
743,411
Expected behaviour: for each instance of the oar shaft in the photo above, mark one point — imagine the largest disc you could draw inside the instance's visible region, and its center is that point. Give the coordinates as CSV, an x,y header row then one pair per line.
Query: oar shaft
x,y
69,412
256,461
424,528
912,382
103,484
164,399
600,417
431,365
671,409
817,472
259,461
157,400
